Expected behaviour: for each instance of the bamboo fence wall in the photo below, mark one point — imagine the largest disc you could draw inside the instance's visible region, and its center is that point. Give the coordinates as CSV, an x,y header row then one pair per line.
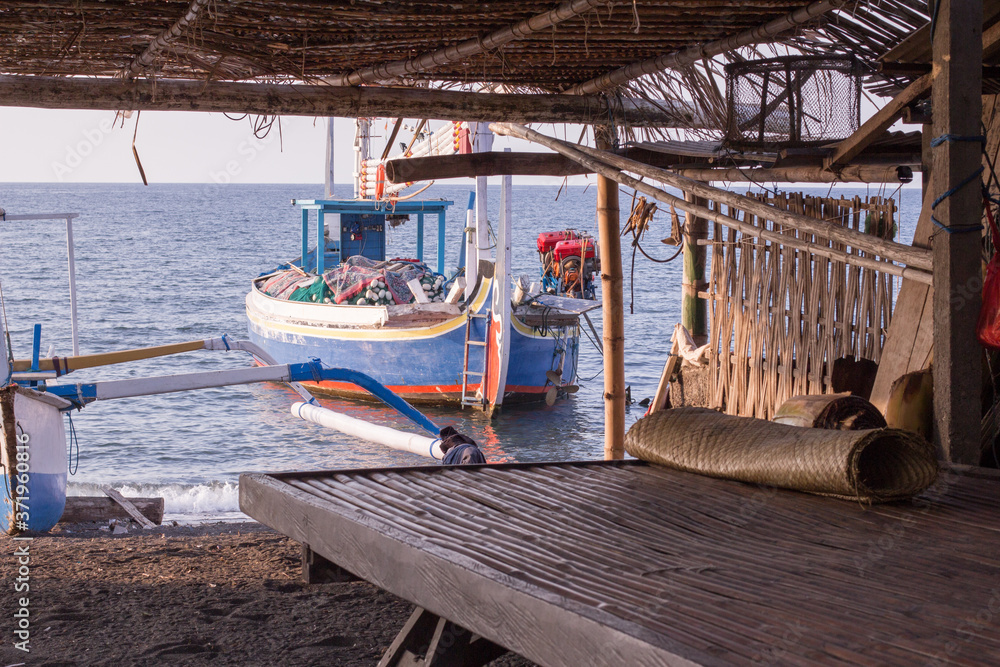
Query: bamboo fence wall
x,y
779,317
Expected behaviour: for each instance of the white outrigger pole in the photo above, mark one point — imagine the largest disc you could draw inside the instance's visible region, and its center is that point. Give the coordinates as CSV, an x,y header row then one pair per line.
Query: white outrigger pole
x,y
68,217
271,371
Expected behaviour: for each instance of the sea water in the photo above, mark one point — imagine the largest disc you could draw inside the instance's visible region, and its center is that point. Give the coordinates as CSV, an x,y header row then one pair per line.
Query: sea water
x,y
173,262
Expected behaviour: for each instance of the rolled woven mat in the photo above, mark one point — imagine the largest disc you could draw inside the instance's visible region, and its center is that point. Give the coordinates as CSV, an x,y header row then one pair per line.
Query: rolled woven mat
x,y
875,465
841,411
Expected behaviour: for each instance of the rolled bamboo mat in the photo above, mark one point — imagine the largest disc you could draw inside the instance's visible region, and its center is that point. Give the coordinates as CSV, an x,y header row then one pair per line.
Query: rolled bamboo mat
x,y
836,411
876,465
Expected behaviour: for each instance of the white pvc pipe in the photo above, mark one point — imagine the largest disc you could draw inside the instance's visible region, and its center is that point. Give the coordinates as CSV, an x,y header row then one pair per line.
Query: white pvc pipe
x,y
382,435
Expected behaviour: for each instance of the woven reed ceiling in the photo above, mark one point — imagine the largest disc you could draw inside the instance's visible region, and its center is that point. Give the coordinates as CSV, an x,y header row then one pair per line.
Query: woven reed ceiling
x,y
258,39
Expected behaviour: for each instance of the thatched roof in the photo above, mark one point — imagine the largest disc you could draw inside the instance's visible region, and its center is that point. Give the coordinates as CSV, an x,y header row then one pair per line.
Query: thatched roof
x,y
310,40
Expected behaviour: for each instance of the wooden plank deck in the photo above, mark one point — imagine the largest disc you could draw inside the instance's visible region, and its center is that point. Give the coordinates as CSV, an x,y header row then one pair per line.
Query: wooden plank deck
x,y
622,563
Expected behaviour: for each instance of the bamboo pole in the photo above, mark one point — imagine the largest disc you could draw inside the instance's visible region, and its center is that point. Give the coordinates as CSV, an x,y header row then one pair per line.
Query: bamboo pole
x,y
436,167
75,363
470,47
694,309
753,230
613,310
50,92
163,40
693,54
918,258
802,174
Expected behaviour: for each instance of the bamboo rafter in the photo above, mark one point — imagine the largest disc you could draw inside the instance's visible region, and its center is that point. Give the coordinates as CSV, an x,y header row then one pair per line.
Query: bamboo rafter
x,y
310,41
145,59
692,54
469,47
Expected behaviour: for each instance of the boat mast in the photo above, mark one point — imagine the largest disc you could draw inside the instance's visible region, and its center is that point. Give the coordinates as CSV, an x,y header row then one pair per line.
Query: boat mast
x,y
483,143
8,368
362,152
328,190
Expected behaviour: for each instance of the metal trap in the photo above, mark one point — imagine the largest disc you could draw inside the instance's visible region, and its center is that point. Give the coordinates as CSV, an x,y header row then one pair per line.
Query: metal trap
x,y
792,101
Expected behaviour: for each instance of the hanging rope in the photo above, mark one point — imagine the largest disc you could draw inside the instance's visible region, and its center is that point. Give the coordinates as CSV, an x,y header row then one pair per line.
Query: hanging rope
x,y
74,443
957,229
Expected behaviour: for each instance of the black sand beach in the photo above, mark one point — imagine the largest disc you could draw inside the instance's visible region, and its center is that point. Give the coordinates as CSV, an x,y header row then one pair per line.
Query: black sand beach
x,y
219,594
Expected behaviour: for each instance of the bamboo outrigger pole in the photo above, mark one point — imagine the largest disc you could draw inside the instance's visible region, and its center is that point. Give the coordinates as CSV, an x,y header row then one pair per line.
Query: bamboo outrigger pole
x,y
613,309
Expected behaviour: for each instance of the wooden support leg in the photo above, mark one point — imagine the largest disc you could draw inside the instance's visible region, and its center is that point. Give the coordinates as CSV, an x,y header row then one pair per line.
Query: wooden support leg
x,y
427,640
957,104
318,570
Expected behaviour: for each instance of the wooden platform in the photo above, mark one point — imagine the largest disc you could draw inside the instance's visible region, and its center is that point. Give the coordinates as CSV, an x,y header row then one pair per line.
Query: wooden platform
x,y
621,563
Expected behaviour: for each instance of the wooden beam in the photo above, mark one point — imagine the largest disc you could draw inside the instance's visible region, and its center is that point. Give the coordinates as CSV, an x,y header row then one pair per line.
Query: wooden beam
x,y
436,167
80,509
718,195
914,257
470,47
957,243
146,58
345,102
127,505
761,34
816,174
875,127
612,309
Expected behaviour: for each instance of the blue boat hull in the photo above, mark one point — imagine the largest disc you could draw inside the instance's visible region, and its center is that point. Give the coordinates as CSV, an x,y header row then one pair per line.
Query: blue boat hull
x,y
421,363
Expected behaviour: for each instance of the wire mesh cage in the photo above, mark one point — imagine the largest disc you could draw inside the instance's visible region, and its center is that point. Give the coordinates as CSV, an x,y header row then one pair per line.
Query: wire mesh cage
x,y
792,101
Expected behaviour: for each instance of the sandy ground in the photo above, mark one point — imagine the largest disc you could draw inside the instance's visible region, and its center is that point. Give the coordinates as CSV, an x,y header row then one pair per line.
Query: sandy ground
x,y
220,594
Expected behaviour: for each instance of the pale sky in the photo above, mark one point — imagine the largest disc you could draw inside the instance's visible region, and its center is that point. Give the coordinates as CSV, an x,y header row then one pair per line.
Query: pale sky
x,y
46,145
43,145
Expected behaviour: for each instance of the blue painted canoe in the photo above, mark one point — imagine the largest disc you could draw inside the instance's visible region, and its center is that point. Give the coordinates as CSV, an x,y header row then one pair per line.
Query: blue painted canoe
x,y
34,462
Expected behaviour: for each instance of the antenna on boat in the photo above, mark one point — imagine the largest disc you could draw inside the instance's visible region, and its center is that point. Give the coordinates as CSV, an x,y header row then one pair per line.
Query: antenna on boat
x,y
4,338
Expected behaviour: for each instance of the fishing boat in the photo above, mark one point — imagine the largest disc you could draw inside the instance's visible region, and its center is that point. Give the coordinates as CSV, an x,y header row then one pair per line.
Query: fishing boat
x,y
467,336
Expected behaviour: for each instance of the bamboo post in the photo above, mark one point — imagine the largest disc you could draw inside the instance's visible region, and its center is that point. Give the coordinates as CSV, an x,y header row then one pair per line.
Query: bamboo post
x,y
957,104
694,310
613,310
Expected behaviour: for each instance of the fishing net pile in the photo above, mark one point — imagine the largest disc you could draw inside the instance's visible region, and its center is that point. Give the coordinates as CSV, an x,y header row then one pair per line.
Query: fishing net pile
x,y
359,281
874,465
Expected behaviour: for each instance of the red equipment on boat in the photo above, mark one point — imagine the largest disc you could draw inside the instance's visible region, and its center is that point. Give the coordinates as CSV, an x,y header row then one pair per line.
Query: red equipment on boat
x,y
548,240
574,248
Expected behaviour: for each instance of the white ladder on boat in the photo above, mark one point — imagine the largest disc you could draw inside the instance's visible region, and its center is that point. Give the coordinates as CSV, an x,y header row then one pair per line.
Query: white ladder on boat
x,y
466,398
